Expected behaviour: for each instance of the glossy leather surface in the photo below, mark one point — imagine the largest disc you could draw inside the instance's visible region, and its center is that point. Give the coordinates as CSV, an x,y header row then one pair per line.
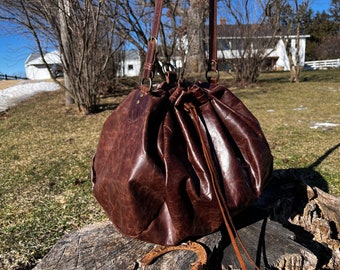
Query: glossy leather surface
x,y
150,174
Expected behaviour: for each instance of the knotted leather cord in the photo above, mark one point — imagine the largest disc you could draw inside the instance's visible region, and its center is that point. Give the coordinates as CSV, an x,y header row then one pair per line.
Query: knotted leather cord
x,y
192,246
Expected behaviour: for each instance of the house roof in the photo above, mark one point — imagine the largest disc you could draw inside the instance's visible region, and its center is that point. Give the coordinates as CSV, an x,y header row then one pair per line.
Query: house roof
x,y
232,30
51,58
255,30
132,55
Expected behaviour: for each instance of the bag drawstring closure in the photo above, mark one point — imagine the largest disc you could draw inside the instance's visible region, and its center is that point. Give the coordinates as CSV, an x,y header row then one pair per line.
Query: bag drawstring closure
x,y
212,76
219,196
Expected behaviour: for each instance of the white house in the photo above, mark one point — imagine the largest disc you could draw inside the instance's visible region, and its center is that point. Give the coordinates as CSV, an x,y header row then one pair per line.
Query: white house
x,y
229,47
230,43
130,65
36,69
276,56
280,51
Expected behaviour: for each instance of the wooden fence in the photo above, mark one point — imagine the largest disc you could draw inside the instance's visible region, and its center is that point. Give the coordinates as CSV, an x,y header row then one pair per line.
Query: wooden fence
x,y
8,77
322,64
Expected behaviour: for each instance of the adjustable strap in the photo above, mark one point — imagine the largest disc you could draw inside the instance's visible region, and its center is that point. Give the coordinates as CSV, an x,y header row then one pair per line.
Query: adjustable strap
x,y
148,69
212,72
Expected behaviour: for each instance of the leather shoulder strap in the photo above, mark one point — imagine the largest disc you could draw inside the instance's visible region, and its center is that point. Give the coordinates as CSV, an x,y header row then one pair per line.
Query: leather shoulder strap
x,y
212,36
148,68
152,44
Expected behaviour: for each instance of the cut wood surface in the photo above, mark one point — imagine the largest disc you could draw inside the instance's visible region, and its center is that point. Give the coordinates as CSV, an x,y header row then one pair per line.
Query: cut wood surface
x,y
292,226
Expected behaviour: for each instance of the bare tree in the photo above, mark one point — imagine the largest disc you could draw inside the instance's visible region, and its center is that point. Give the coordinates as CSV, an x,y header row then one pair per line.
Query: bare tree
x,y
134,22
19,14
287,17
250,39
329,47
171,31
87,40
83,33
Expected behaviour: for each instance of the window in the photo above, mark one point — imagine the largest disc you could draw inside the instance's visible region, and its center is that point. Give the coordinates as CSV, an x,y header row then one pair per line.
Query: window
x,y
222,44
265,43
238,44
130,67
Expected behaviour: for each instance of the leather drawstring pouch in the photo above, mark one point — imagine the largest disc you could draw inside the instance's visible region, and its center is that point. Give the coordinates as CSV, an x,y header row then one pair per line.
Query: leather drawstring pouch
x,y
178,160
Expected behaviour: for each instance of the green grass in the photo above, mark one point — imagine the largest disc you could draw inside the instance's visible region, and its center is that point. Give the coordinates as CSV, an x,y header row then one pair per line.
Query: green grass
x,y
46,150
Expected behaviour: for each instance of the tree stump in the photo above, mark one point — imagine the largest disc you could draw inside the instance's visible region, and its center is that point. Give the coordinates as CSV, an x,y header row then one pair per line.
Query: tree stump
x,y
292,226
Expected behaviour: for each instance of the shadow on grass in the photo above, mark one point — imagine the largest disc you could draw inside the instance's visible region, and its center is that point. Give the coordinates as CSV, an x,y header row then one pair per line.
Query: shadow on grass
x,y
106,107
307,175
111,99
284,198
306,76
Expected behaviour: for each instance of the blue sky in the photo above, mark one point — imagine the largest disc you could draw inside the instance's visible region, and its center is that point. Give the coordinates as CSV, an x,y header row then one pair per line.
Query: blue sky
x,y
319,5
14,49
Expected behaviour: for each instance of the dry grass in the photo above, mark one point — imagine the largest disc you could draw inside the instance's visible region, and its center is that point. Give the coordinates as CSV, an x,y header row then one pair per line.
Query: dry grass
x,y
8,83
46,150
289,115
45,155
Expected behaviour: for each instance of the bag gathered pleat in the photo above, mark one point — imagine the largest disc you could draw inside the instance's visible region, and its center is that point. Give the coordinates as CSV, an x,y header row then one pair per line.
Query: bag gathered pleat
x,y
151,173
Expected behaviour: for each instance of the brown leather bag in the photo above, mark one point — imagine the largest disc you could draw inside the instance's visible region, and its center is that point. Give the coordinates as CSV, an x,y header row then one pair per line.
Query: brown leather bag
x,y
172,161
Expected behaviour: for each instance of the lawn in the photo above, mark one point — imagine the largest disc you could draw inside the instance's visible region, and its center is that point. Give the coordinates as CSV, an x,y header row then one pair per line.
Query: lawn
x,y
46,150
5,84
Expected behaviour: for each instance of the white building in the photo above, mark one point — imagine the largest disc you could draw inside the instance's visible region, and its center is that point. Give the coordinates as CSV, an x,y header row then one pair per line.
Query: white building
x,y
231,38
280,51
230,41
276,56
36,69
130,65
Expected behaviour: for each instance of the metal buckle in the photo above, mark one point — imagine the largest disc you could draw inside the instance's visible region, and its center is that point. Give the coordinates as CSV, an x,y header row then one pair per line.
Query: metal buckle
x,y
147,84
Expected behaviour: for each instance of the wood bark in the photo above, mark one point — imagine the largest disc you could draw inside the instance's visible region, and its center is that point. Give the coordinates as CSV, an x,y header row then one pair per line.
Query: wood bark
x,y
197,14
64,40
292,226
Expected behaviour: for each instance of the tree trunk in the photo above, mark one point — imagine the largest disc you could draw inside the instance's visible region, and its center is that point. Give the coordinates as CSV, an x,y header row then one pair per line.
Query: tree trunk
x,y
69,100
195,34
292,226
65,49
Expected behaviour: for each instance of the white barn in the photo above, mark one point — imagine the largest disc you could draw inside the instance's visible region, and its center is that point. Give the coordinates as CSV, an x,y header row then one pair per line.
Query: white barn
x,y
35,67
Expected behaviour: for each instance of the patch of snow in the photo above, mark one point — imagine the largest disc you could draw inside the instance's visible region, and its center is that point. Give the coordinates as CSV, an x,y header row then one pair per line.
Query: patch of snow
x,y
300,108
270,110
324,125
11,96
